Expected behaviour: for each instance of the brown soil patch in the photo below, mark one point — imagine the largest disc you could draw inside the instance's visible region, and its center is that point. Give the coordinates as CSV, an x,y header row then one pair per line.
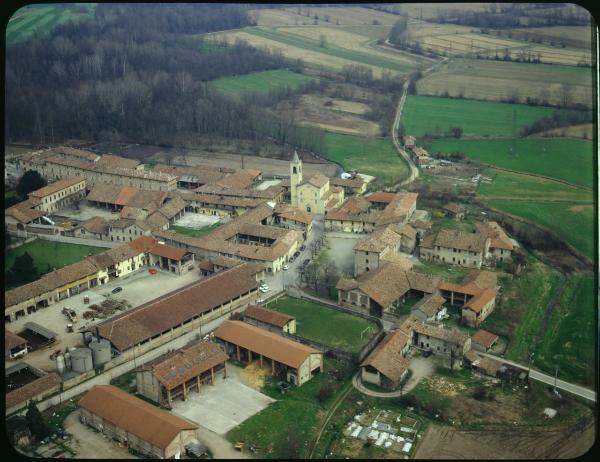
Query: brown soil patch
x,y
254,375
580,208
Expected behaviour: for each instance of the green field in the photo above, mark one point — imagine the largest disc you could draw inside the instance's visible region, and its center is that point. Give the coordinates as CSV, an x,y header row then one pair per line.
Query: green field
x,y
569,339
42,18
372,156
48,255
259,82
573,223
326,325
430,114
454,274
565,159
331,50
193,232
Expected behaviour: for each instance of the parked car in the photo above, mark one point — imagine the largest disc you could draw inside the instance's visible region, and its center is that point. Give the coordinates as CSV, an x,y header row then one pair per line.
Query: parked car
x,y
263,289
285,267
426,354
296,254
116,290
305,262
302,248
292,259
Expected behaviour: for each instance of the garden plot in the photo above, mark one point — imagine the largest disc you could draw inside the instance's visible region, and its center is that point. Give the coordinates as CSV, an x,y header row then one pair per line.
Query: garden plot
x,y
385,429
197,220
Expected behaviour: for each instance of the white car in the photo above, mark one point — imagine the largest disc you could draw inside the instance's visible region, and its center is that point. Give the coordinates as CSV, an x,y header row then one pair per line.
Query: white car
x,y
285,267
263,289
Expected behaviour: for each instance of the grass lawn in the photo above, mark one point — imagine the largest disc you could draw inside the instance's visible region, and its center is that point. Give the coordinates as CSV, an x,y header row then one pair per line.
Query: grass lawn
x,y
125,382
39,18
432,114
454,274
259,82
326,325
287,428
566,159
569,339
405,307
521,311
47,255
372,156
193,232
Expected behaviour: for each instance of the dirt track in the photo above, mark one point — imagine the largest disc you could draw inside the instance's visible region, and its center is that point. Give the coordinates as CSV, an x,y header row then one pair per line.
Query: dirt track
x,y
518,443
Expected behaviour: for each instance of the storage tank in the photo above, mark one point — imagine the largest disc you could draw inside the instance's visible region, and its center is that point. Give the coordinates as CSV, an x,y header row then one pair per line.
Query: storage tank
x,y
68,360
81,360
100,351
60,364
87,337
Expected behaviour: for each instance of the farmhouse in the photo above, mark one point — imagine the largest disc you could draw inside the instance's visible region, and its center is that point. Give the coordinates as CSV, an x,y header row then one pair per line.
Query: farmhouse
x,y
409,141
482,340
264,318
353,185
384,289
25,383
293,361
420,155
293,218
223,206
380,199
387,365
501,246
447,342
429,308
175,374
476,295
370,251
116,198
59,194
456,248
454,210
194,177
315,194
180,311
164,256
140,425
23,216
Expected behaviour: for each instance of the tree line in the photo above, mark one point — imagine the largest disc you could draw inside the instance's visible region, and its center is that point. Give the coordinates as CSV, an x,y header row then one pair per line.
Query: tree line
x,y
139,72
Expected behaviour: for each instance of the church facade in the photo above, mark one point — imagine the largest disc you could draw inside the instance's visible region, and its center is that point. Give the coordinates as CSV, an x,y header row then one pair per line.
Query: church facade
x,y
315,194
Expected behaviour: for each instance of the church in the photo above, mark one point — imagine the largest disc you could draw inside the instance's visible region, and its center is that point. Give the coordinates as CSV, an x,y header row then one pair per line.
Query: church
x,y
315,194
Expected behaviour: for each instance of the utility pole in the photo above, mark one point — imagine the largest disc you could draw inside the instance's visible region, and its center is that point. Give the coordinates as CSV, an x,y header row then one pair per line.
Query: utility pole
x,y
555,378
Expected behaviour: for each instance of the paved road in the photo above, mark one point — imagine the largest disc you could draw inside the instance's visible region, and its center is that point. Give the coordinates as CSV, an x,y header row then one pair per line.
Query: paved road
x,y
414,171
577,390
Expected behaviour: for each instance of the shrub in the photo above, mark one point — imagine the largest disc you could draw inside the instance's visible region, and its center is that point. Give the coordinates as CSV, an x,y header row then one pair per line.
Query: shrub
x,y
325,392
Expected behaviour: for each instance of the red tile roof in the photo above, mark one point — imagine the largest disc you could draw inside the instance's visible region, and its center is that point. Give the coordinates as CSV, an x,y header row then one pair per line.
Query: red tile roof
x,y
125,411
260,313
485,338
58,185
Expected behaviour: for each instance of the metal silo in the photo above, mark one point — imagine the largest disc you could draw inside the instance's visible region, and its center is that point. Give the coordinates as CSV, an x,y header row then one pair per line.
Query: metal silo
x,y
81,360
100,351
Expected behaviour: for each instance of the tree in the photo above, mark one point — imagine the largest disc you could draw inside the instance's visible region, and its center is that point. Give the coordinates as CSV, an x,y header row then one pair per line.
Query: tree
x,y
23,270
30,181
7,238
38,427
324,392
456,132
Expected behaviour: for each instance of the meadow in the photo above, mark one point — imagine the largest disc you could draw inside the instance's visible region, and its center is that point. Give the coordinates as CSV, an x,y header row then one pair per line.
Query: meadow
x,y
322,324
48,255
372,156
305,15
571,160
40,18
496,80
430,114
259,82
570,335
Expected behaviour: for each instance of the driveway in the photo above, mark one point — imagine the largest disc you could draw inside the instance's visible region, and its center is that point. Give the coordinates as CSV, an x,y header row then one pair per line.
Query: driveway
x,y
90,444
221,407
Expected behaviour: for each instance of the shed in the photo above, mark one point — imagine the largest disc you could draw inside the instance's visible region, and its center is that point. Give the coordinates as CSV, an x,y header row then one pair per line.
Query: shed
x,y
40,330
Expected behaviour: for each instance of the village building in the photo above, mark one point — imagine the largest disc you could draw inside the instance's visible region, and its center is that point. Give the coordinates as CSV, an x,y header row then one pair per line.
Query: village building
x,y
194,177
455,248
23,217
384,289
353,185
14,345
166,257
295,362
175,374
484,364
293,218
371,251
501,247
141,426
25,383
438,340
387,365
453,210
60,194
61,162
430,308
93,228
314,194
483,341
116,198
251,237
380,199
409,141
182,310
421,227
476,296
222,206
274,321
420,156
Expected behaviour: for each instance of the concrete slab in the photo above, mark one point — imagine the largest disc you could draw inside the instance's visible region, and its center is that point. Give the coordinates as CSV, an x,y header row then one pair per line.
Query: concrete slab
x,y
265,184
221,407
85,212
197,220
342,246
